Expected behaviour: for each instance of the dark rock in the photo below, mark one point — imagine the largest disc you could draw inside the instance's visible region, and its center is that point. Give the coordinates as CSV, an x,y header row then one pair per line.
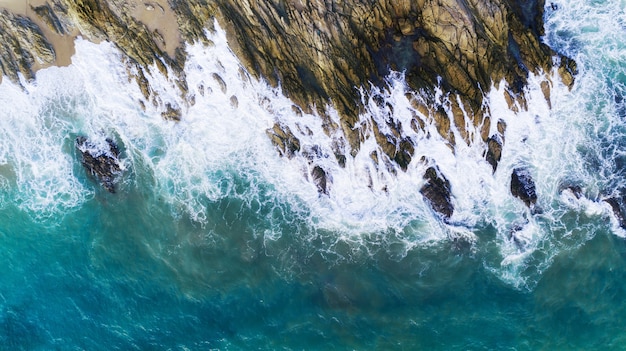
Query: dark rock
x,y
341,160
404,154
516,228
616,205
104,165
437,192
523,186
320,178
576,189
494,150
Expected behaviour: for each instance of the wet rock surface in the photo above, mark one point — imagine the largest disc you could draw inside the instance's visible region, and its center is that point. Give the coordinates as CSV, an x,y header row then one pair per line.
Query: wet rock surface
x,y
320,50
285,141
523,186
494,150
320,179
437,192
103,165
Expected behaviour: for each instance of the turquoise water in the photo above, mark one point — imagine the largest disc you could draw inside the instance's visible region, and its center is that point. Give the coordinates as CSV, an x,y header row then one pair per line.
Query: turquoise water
x,y
118,275
213,241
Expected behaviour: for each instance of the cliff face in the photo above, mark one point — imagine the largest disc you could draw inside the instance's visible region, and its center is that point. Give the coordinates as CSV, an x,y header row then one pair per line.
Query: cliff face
x,y
321,51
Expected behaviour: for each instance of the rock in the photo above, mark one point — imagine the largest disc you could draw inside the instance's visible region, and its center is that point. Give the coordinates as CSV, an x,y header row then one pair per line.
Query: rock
x,y
322,51
50,17
567,70
615,204
171,113
220,82
437,192
234,102
103,165
284,140
523,186
574,188
516,234
404,154
399,150
457,45
494,150
23,46
320,179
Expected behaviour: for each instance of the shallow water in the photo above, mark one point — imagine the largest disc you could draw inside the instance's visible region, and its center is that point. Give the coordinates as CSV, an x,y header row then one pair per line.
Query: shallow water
x,y
213,241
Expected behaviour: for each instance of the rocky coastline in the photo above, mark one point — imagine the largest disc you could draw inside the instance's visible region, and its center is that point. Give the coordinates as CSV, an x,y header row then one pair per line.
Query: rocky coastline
x,y
321,52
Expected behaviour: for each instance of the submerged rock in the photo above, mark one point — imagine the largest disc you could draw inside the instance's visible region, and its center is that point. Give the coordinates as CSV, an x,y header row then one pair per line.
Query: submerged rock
x,y
437,192
523,186
171,113
103,165
616,206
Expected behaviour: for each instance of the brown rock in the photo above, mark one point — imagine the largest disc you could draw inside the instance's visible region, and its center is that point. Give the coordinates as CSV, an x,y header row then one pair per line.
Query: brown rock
x,y
321,51
285,141
320,179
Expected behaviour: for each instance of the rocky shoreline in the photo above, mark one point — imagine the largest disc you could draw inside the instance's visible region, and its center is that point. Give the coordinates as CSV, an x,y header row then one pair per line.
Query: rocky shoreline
x,y
321,52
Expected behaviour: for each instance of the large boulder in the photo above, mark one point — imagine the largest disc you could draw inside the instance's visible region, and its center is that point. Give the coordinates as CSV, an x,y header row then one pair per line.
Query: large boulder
x,y
437,192
103,164
523,186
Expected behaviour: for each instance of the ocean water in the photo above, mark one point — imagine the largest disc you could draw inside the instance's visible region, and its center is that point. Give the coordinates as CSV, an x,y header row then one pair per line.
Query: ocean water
x,y
214,241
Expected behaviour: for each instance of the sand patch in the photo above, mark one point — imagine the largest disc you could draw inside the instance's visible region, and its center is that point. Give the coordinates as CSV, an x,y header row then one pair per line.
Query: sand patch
x,y
161,19
63,44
